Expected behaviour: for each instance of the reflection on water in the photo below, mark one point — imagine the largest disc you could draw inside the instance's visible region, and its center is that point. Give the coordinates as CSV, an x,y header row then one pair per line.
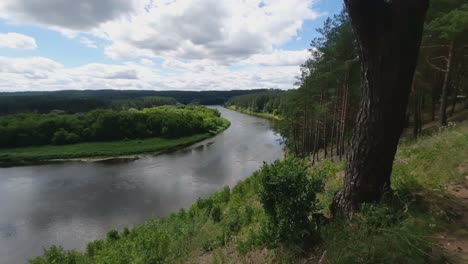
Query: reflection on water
x,y
73,202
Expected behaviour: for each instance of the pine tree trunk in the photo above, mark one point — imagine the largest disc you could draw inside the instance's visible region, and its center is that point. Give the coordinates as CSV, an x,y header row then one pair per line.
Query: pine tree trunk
x,y
339,109
389,36
325,138
454,101
345,114
343,117
416,109
335,107
445,86
457,81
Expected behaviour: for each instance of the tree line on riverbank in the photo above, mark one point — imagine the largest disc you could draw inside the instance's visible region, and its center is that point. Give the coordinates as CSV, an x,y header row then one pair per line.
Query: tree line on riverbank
x,y
320,115
31,129
84,101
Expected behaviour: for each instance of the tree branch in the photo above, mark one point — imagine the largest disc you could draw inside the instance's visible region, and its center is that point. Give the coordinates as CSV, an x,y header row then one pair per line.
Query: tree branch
x,y
434,66
440,57
434,46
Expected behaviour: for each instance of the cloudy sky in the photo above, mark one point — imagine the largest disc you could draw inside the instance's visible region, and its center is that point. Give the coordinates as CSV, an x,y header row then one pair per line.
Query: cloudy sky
x,y
156,44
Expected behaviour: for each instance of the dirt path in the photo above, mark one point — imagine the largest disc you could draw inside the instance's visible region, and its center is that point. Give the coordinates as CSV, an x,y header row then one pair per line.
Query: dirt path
x,y
455,240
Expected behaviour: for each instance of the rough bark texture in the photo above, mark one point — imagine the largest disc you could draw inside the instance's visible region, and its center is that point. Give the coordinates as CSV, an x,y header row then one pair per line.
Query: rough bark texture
x,y
389,35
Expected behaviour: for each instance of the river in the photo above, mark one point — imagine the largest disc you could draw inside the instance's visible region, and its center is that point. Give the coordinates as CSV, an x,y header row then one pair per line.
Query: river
x,y
72,203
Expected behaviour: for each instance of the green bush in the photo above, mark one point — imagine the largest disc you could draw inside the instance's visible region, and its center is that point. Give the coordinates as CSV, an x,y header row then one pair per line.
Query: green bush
x,y
216,214
113,235
62,137
94,247
58,255
288,194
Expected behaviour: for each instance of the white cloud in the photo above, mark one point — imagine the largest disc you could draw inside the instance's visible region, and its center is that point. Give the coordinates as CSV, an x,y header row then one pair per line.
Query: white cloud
x,y
224,31
203,44
17,41
88,43
65,14
278,58
37,73
146,62
28,68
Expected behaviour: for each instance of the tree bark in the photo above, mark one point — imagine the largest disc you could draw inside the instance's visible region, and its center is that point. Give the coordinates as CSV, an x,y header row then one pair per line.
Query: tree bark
x,y
445,86
335,107
416,109
343,116
389,36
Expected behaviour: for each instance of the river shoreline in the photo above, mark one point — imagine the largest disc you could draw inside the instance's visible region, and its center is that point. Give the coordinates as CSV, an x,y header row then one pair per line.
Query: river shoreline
x,y
261,115
72,203
116,151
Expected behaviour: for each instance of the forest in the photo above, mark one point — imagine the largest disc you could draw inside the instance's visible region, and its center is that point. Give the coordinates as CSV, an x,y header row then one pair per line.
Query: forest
x,y
265,102
31,129
319,117
83,101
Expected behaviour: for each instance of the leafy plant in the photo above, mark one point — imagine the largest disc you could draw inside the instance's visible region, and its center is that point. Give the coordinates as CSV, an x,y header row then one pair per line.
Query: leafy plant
x,y
288,195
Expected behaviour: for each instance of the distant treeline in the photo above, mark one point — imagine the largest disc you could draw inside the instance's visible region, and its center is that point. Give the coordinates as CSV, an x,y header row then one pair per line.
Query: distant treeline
x,y
264,102
141,103
106,125
83,101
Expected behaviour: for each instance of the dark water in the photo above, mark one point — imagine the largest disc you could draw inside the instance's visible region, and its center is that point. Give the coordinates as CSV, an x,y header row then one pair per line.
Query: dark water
x,y
72,203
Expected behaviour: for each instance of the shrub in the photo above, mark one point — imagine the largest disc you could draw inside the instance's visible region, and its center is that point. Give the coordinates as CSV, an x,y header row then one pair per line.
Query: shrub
x,y
126,232
232,220
288,195
226,194
62,137
113,235
216,214
57,255
93,247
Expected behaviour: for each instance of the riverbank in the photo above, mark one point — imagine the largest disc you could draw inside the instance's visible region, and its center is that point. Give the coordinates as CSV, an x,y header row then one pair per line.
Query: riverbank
x,y
95,151
230,225
252,113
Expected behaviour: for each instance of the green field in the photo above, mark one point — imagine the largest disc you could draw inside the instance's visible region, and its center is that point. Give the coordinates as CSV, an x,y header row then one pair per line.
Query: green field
x,y
100,150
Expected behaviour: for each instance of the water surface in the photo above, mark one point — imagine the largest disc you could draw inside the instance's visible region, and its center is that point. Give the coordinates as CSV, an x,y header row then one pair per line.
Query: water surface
x,y
72,203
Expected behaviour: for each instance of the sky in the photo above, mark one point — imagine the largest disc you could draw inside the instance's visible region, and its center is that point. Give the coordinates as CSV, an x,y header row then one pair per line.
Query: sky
x,y
156,44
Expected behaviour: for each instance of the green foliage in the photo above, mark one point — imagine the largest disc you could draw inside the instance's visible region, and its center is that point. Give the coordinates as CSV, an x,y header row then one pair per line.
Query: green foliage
x,y
126,232
145,102
58,255
93,247
105,125
113,235
84,101
63,137
288,195
269,102
216,214
451,24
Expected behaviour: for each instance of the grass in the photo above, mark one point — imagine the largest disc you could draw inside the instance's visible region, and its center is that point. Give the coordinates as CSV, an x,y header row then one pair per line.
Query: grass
x,y
231,226
249,112
99,150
